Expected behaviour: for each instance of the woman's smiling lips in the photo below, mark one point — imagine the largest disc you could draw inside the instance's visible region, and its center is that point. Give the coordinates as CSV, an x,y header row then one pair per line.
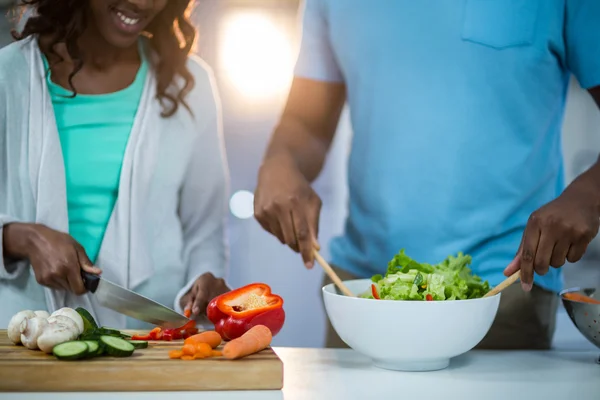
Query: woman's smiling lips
x,y
127,21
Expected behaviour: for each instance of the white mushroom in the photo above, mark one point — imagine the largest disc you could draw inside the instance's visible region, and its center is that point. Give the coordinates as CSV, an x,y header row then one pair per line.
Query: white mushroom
x,y
42,313
14,326
31,330
61,319
74,315
55,334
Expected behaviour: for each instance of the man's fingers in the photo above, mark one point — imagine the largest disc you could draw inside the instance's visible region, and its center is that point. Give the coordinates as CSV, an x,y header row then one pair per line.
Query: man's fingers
x,y
559,255
275,229
287,227
531,238
543,255
304,239
514,266
576,252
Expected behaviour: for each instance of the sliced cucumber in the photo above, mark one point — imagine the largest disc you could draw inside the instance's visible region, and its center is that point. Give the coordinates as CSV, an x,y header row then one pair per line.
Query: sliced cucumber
x,y
94,348
139,344
116,347
109,332
73,350
89,324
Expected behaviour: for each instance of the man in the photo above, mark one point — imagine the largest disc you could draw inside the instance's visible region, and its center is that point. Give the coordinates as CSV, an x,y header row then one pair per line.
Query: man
x,y
456,108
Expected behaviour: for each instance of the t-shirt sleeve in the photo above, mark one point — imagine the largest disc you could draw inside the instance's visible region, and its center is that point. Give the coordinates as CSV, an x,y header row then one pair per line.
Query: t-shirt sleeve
x,y
582,39
316,59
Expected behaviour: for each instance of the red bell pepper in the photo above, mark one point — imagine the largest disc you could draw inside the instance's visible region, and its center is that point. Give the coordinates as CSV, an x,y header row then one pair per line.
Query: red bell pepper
x,y
168,335
235,312
374,291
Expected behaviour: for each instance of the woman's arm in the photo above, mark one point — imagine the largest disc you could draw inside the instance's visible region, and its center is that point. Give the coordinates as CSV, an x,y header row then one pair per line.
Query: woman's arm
x,y
203,202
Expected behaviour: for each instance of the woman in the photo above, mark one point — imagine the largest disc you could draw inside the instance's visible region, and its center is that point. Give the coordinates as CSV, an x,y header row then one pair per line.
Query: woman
x,y
110,131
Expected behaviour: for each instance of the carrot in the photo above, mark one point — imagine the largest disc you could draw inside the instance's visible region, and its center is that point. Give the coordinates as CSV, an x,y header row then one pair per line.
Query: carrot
x,y
187,313
203,349
189,349
254,340
212,338
580,298
187,357
216,353
175,354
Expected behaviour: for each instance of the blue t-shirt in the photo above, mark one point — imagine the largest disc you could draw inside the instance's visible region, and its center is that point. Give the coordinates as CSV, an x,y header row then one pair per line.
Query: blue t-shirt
x,y
456,109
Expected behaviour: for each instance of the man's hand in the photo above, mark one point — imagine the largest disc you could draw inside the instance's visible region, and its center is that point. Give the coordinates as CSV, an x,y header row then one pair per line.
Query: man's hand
x,y
559,231
56,258
286,206
206,288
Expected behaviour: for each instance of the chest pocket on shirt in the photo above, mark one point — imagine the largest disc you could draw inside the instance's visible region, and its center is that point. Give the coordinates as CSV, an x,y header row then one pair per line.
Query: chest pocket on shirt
x,y
500,24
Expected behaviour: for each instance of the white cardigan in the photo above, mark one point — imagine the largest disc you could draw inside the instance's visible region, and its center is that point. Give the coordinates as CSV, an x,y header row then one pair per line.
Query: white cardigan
x,y
169,223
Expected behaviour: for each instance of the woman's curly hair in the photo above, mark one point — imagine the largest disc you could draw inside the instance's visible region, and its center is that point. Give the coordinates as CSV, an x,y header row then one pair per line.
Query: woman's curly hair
x,y
171,36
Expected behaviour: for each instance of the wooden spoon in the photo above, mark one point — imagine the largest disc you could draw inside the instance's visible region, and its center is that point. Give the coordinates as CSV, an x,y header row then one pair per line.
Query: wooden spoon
x,y
504,284
332,275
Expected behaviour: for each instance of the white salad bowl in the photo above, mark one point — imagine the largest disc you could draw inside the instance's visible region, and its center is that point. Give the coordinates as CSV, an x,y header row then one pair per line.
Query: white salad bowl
x,y
408,335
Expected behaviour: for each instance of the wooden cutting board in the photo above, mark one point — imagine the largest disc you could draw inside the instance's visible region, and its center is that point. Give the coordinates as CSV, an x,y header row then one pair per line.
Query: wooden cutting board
x,y
24,370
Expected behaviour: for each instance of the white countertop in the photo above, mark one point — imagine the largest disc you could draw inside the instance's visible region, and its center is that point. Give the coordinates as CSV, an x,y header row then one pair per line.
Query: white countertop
x,y
312,374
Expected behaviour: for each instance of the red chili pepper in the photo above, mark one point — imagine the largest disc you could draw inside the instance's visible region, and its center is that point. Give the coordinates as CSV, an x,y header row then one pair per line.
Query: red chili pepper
x,y
235,312
428,297
141,337
374,291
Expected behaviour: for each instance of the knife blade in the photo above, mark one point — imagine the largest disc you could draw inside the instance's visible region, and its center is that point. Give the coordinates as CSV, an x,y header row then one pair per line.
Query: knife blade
x,y
134,305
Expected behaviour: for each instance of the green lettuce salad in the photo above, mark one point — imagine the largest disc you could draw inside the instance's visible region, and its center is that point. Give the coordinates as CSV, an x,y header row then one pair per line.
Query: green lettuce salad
x,y
407,279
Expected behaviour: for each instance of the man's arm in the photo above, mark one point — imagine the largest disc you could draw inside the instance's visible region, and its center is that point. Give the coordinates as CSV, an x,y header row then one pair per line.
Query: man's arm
x,y
307,126
285,204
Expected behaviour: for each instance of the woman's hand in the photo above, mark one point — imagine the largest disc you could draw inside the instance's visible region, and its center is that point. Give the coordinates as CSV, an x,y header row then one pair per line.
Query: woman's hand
x,y
206,288
56,258
558,232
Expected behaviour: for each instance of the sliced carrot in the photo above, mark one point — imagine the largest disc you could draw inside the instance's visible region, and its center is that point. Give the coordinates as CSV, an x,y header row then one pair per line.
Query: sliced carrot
x,y
189,349
198,356
175,354
187,313
212,338
203,349
254,340
216,353
187,357
580,298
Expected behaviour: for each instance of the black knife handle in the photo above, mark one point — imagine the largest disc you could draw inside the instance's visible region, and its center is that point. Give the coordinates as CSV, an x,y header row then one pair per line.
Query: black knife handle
x,y
90,281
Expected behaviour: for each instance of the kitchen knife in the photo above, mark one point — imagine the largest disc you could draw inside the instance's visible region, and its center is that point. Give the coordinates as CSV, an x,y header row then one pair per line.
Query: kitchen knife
x,y
124,301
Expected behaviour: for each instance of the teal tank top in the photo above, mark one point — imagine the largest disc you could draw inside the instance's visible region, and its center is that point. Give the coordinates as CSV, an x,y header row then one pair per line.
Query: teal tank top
x,y
94,131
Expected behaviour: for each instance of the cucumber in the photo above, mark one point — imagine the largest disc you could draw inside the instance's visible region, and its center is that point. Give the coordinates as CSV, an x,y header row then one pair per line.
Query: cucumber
x,y
89,324
95,334
94,348
73,350
109,332
116,347
139,344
